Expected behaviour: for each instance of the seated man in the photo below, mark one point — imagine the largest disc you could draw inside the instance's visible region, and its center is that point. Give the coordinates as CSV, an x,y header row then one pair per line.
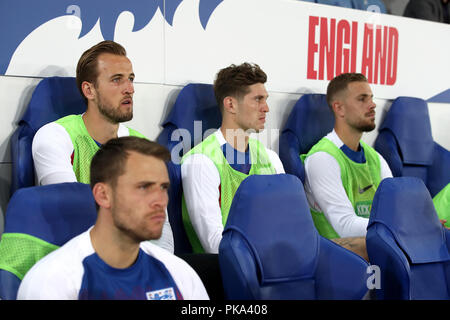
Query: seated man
x,y
212,171
342,172
62,150
113,260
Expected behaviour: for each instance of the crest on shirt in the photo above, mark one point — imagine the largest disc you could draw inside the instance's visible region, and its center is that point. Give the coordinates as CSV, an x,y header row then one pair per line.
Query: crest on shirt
x,y
162,294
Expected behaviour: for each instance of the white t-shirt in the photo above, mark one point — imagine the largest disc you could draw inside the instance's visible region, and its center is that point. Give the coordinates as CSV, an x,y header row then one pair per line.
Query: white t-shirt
x,y
52,150
325,192
75,271
201,182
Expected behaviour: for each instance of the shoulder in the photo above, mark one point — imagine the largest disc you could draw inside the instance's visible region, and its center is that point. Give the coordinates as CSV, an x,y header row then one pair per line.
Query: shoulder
x,y
124,131
51,134
183,274
55,276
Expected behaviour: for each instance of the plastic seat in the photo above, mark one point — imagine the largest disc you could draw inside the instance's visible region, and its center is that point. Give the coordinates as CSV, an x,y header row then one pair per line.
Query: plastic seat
x,y
406,240
53,98
38,221
271,250
369,5
406,142
309,121
194,113
338,3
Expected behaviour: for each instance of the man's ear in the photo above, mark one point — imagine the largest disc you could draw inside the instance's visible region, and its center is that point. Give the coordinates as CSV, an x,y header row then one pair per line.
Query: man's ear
x,y
229,104
102,195
338,108
88,90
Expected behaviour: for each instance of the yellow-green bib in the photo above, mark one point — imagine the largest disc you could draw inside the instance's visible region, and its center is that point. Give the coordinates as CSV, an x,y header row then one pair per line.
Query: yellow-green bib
x,y
230,179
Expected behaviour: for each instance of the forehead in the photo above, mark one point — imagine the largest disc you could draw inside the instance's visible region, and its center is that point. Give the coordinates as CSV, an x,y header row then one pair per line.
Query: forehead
x,y
357,88
140,167
257,89
109,64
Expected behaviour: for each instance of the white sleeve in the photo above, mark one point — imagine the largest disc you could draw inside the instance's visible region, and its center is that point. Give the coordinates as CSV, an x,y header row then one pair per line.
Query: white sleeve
x,y
166,240
49,279
275,160
385,170
52,150
324,185
201,183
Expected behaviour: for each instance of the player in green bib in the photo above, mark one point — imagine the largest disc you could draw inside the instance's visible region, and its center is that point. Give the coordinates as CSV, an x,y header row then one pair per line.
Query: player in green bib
x,y
62,150
213,170
343,172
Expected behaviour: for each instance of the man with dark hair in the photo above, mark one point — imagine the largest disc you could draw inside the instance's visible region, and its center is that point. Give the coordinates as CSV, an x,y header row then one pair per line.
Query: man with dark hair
x,y
343,172
213,170
62,150
113,259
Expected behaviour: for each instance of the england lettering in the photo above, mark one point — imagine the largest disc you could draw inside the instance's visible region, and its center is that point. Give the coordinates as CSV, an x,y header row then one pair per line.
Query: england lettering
x,y
333,49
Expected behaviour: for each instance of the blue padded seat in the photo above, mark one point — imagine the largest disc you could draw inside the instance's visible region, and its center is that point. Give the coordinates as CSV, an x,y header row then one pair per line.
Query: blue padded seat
x,y
53,98
369,5
407,241
406,143
310,119
271,250
38,220
194,113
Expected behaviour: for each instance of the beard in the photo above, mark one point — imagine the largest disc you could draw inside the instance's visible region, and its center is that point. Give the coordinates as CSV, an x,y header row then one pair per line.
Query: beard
x,y
114,115
136,234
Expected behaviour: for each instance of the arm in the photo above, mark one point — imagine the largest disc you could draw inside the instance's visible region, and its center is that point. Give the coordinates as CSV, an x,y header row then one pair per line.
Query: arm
x,y
201,183
275,160
324,185
52,150
385,170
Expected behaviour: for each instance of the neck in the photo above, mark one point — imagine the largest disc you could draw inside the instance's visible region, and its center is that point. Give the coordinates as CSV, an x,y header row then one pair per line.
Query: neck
x,y
350,137
112,247
99,128
236,137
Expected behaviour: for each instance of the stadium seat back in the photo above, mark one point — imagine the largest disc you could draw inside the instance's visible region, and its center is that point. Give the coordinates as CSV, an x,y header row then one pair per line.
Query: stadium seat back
x,y
38,220
53,98
271,250
406,143
406,240
309,121
195,115
369,5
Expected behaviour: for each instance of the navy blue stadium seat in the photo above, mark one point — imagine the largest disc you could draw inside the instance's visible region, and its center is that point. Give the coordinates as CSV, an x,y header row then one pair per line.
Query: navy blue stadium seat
x,y
271,250
369,5
38,220
339,3
194,113
406,142
309,121
53,98
406,240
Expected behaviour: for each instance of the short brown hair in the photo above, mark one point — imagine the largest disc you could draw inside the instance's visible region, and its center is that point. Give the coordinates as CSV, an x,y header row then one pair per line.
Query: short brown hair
x,y
87,65
340,83
235,80
110,160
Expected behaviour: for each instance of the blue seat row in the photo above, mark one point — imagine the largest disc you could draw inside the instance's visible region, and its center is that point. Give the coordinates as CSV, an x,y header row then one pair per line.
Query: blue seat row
x,y
195,103
366,5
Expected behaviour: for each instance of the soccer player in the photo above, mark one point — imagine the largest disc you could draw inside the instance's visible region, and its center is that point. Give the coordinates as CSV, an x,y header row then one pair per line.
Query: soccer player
x,y
113,259
343,172
213,170
62,150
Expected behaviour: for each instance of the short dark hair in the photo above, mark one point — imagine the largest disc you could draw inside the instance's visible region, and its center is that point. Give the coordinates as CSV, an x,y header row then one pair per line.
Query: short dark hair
x,y
87,67
235,80
108,164
340,83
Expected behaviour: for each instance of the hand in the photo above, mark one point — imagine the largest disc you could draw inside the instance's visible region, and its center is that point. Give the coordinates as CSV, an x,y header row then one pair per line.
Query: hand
x,y
443,223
